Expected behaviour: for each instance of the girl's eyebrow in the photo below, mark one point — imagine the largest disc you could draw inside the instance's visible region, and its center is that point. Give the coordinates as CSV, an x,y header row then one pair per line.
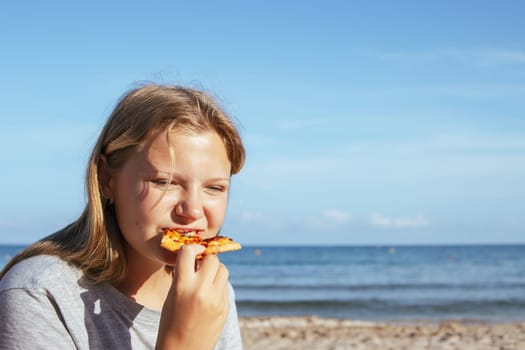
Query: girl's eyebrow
x,y
162,173
150,169
167,174
227,179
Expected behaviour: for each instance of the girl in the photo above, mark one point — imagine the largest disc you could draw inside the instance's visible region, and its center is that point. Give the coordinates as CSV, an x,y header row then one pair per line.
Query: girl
x,y
164,159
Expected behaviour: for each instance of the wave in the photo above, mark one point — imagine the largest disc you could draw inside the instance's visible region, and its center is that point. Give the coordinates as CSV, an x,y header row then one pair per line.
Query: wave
x,y
381,303
499,310
380,286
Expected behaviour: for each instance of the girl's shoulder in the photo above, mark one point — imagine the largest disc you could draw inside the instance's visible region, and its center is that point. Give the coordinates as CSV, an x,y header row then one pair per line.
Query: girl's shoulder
x,y
40,272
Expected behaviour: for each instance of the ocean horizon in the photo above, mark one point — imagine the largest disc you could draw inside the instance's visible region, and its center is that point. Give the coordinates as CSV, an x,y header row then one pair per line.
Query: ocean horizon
x,y
376,283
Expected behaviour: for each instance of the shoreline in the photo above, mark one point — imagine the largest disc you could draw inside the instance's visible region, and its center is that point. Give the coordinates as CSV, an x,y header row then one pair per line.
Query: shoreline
x,y
312,332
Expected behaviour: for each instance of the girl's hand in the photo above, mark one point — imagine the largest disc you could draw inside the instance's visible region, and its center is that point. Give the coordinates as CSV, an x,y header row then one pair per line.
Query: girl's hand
x,y
196,308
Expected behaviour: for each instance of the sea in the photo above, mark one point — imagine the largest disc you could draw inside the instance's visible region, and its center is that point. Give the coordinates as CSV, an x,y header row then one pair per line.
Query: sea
x,y
377,283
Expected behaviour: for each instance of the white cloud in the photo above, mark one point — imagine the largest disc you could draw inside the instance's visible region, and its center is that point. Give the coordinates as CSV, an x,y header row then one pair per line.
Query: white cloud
x,y
478,90
53,142
439,142
472,56
497,56
382,221
299,123
9,224
458,156
261,140
247,217
337,216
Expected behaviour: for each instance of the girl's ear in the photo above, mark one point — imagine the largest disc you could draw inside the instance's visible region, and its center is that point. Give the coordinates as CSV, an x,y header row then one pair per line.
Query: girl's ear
x,y
105,178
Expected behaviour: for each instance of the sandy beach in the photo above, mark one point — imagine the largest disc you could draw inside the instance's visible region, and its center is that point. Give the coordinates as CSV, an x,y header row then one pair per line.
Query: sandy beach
x,y
321,333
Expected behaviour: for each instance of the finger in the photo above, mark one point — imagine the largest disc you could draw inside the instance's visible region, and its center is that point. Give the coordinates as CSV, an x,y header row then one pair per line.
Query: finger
x,y
208,267
185,263
222,275
224,292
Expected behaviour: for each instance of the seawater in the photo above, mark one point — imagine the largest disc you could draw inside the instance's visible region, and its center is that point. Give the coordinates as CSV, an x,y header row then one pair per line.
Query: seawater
x,y
482,283
382,283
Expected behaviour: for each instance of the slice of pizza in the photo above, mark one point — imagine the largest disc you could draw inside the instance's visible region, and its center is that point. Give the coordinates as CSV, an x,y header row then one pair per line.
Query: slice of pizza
x,y
220,244
173,240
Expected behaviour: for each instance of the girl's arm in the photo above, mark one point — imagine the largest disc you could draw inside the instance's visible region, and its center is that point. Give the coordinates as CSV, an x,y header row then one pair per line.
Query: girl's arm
x,y
30,320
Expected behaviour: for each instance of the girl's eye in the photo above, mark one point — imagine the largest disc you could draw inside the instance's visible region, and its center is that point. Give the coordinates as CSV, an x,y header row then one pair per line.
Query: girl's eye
x,y
162,182
216,189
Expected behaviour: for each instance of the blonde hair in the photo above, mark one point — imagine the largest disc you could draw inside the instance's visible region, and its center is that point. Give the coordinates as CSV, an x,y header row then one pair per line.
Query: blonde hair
x,y
94,242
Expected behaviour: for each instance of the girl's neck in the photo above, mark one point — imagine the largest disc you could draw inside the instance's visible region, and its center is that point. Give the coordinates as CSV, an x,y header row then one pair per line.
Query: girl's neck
x,y
146,282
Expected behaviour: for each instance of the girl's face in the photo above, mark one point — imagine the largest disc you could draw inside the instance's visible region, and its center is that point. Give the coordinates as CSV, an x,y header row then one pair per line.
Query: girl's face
x,y
184,186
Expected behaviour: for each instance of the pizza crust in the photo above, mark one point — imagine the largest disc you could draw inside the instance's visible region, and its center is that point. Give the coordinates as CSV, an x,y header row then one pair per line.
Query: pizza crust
x,y
173,241
220,245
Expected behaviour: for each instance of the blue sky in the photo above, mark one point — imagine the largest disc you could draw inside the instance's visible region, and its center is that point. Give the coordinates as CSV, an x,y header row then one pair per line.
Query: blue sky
x,y
365,122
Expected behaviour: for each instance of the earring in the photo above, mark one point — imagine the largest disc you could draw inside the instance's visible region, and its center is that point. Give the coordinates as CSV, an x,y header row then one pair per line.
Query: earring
x,y
106,199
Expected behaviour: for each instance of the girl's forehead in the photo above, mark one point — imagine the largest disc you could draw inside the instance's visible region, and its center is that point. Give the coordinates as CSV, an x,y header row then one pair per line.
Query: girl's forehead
x,y
160,140
163,145
201,154
158,146
166,137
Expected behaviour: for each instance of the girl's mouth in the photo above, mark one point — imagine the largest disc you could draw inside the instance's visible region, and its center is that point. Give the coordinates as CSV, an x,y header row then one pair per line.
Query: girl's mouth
x,y
188,232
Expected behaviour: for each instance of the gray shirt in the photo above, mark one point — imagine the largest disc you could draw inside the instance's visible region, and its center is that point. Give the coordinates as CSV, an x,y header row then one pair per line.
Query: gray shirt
x,y
46,303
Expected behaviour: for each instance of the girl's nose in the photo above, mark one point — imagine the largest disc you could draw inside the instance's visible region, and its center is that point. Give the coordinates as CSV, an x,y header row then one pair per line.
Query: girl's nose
x,y
190,206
